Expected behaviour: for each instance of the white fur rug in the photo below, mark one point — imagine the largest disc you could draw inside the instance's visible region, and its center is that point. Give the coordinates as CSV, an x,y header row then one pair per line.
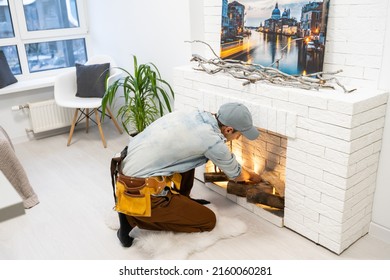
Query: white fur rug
x,y
179,246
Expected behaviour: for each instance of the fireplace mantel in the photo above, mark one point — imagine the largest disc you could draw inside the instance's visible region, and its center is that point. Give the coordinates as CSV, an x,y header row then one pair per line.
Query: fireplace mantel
x,y
334,142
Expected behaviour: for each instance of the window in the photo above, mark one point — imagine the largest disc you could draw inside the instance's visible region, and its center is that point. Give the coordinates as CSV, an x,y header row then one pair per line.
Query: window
x,y
42,35
6,29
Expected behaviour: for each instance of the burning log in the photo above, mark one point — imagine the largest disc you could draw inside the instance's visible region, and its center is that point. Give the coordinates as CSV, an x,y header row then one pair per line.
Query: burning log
x,y
256,193
269,177
274,180
259,194
239,188
269,192
215,177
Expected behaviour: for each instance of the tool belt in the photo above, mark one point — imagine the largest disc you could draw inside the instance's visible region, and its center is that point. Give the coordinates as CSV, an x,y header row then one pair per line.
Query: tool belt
x,y
133,195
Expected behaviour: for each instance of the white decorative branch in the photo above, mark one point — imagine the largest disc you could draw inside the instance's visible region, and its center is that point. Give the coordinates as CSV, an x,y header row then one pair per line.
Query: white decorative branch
x,y
253,73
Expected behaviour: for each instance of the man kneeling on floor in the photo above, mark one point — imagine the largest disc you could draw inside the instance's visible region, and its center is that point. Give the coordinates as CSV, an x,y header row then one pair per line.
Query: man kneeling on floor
x,y
157,172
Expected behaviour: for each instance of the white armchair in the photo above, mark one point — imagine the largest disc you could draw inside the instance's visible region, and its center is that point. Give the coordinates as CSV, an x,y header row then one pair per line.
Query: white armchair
x,y
65,88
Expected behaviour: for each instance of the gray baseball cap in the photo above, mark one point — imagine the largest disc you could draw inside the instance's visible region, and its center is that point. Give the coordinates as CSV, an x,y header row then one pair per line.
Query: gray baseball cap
x,y
238,116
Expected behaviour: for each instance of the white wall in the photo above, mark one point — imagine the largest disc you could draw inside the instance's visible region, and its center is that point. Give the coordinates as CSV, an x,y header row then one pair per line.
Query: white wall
x,y
380,225
154,31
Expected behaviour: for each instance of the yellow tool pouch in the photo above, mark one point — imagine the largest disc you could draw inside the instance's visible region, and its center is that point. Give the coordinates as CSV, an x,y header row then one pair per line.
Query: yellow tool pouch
x,y
133,195
132,201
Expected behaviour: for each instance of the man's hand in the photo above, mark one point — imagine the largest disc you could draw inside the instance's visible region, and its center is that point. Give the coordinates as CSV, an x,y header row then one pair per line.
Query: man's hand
x,y
247,175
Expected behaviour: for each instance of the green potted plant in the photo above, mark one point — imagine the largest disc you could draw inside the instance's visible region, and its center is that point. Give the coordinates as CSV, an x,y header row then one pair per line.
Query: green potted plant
x,y
146,96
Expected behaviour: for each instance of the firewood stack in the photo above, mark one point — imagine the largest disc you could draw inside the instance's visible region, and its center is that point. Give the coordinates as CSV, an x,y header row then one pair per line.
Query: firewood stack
x,y
262,193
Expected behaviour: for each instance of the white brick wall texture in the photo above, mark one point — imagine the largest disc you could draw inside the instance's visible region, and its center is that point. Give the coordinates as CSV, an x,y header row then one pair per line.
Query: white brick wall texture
x,y
331,156
333,139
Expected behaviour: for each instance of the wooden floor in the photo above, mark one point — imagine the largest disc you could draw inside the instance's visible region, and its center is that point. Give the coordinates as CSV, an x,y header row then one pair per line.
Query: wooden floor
x,y
74,187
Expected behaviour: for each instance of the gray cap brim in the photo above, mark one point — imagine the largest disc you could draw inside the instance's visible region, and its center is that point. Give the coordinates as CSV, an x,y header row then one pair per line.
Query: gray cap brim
x,y
251,133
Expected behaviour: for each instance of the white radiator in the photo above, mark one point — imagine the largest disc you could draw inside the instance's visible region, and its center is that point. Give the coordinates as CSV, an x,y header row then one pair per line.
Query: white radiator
x,y
47,115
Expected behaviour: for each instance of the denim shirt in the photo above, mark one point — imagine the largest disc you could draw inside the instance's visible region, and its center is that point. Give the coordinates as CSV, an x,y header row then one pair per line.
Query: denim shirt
x,y
178,142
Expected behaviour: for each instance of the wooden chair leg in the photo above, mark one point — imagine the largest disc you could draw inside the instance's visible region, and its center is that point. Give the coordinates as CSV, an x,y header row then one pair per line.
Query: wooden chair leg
x,y
73,125
114,121
87,120
100,128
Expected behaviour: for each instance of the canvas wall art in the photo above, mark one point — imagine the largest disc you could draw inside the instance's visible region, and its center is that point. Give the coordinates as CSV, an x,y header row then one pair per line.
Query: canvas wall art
x,y
289,35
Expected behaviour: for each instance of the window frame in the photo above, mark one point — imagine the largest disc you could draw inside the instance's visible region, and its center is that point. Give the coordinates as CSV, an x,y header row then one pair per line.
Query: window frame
x,y
22,37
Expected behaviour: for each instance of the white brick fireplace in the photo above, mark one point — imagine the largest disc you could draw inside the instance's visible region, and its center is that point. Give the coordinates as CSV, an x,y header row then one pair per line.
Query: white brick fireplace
x,y
333,147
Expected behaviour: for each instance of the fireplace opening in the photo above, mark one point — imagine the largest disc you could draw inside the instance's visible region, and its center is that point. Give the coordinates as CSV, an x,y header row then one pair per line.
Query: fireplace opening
x,y
266,156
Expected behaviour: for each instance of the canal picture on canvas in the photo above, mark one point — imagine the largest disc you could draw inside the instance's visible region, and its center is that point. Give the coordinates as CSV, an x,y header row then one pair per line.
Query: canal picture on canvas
x,y
287,35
